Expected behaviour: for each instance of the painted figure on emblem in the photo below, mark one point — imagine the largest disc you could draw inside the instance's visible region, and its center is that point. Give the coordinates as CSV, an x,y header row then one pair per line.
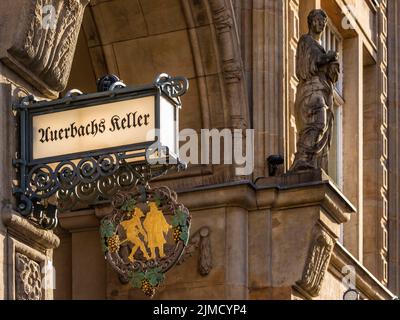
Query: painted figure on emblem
x,y
317,71
157,228
133,228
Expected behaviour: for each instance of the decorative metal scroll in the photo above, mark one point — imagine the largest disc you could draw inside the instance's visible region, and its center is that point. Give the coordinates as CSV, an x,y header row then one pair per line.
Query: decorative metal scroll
x,y
104,187
173,87
95,177
145,235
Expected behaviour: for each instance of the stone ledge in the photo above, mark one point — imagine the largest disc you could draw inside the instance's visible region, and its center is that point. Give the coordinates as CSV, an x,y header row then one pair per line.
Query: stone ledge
x,y
369,286
305,188
79,220
236,194
285,191
26,230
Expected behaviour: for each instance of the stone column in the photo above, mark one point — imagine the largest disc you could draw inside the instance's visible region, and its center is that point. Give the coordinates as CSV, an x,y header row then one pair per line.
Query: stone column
x,y
267,66
236,253
37,45
88,266
393,118
375,157
353,144
25,250
292,38
29,269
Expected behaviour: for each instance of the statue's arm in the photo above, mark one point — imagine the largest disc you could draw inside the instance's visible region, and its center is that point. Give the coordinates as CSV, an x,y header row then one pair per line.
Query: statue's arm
x,y
310,57
327,58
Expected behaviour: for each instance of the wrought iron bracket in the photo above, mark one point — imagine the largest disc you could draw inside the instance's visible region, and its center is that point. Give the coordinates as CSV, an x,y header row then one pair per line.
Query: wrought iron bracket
x,y
62,183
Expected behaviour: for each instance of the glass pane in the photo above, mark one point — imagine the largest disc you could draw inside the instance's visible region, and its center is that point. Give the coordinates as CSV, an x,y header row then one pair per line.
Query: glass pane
x,y
328,39
334,158
333,42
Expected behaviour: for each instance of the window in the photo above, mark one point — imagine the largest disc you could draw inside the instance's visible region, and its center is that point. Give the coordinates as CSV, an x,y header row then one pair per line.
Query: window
x,y
332,40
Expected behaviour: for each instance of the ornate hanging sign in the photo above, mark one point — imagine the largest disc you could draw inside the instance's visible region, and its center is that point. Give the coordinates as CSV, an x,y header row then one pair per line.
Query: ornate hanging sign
x,y
84,148
145,235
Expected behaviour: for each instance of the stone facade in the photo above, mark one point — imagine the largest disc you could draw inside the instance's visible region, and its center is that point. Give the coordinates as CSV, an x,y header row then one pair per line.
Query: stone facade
x,y
253,237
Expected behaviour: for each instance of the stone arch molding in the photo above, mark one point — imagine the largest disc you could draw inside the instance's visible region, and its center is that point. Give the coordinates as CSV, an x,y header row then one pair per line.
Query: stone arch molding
x,y
230,59
40,51
197,39
43,55
214,47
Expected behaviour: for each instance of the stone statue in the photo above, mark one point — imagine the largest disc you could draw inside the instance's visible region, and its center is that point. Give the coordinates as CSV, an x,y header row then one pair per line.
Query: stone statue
x,y
318,71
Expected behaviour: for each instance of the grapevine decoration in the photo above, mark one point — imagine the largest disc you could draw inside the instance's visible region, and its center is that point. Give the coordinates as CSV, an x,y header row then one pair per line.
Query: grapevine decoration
x,y
145,235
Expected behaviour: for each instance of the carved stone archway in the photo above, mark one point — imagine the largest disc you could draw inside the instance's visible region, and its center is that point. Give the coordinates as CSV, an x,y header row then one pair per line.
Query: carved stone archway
x,y
199,39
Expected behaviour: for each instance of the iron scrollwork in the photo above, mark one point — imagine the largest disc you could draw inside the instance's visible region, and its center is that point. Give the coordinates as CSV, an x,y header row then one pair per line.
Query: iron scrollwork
x,y
172,87
87,180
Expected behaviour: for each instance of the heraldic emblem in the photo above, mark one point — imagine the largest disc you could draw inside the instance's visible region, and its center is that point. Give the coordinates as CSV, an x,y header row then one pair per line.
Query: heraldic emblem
x,y
145,235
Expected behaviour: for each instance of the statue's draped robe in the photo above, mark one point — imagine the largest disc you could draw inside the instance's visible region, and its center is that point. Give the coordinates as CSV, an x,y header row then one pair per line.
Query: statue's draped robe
x,y
313,107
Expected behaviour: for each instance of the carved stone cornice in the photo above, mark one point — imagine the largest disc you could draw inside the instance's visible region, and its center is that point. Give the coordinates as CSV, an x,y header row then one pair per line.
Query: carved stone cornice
x,y
308,187
42,48
27,232
240,194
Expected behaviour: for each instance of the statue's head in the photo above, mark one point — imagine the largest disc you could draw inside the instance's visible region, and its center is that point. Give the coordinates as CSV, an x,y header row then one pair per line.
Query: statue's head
x,y
317,20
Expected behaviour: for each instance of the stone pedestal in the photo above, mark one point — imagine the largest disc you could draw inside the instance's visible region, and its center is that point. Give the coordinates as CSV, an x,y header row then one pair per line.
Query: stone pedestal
x,y
306,210
275,239
29,267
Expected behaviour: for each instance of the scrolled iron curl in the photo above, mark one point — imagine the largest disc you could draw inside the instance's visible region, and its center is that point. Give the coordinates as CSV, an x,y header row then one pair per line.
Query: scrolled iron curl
x,y
94,179
107,186
86,192
108,164
66,199
118,200
88,170
127,177
174,87
67,174
42,181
